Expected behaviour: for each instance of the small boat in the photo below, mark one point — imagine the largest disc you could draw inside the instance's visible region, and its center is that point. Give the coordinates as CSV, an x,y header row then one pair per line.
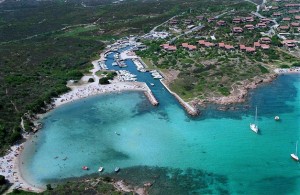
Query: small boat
x,y
85,168
295,156
276,118
100,169
117,133
152,84
254,126
117,169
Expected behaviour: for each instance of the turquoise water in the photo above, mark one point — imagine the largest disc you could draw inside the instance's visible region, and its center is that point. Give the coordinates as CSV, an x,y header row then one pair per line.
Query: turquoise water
x,y
221,143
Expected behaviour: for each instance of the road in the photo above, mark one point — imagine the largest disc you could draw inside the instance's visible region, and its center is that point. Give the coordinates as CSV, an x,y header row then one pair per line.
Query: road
x,y
154,29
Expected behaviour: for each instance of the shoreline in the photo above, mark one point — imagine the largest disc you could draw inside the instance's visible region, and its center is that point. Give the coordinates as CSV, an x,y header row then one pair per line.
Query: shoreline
x,y
77,92
12,172
12,167
239,93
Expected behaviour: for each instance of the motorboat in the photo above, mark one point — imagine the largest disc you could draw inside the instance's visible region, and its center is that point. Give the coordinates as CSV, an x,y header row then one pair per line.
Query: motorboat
x,y
254,126
276,118
295,155
85,168
100,169
117,169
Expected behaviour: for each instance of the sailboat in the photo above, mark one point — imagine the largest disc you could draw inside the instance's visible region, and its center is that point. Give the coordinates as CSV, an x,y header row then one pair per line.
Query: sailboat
x,y
254,126
295,156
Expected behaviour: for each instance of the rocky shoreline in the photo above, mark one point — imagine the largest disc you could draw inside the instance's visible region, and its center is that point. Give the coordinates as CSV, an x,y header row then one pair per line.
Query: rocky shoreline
x,y
238,94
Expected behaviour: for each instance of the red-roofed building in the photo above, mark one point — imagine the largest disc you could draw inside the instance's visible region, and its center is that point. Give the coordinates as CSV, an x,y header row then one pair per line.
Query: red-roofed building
x,y
185,45
168,47
201,42
189,47
172,48
236,20
265,40
173,22
292,5
208,44
165,46
221,23
289,43
284,28
237,30
265,46
249,19
256,44
295,24
210,19
200,17
286,19
221,45
242,47
249,26
261,25
276,14
294,11
265,20
229,47
192,47
250,49
188,21
297,17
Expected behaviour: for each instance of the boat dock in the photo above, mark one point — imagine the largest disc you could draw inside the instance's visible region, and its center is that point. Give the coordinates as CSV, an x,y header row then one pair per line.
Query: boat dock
x,y
148,93
189,109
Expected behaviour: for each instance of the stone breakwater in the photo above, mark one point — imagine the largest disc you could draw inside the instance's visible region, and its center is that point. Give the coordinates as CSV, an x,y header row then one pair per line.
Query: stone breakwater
x,y
191,110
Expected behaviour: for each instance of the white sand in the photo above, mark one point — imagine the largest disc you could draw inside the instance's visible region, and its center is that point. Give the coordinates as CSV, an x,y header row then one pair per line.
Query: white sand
x,y
9,167
95,89
9,164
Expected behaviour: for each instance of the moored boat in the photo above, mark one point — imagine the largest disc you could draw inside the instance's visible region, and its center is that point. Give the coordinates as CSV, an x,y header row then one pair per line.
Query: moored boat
x,y
117,169
276,118
254,126
85,168
100,169
295,155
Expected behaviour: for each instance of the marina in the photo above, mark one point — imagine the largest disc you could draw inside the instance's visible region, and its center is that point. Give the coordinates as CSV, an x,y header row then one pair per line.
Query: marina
x,y
189,143
130,131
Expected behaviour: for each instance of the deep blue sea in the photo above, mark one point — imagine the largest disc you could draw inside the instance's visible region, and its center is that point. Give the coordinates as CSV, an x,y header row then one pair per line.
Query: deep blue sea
x,y
215,153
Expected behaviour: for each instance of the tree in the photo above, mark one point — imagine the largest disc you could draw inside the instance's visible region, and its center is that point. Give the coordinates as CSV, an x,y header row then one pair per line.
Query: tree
x,y
91,80
2,180
103,81
49,187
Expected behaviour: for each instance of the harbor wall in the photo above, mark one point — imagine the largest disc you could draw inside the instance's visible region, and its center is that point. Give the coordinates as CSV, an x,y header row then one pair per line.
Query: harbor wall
x,y
148,93
191,110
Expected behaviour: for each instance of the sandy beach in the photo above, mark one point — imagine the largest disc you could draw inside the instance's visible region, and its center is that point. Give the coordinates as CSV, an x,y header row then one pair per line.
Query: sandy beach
x,y
9,166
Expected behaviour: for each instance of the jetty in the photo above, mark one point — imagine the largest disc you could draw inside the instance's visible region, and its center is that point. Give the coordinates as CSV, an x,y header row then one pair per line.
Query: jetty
x,y
148,93
191,110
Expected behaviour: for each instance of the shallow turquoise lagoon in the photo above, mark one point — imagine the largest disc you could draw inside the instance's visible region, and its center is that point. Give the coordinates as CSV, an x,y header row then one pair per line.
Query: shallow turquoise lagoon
x,y
83,134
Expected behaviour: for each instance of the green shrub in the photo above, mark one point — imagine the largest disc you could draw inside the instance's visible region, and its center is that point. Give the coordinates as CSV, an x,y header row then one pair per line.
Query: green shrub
x,y
284,66
91,80
263,69
296,64
103,81
2,180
